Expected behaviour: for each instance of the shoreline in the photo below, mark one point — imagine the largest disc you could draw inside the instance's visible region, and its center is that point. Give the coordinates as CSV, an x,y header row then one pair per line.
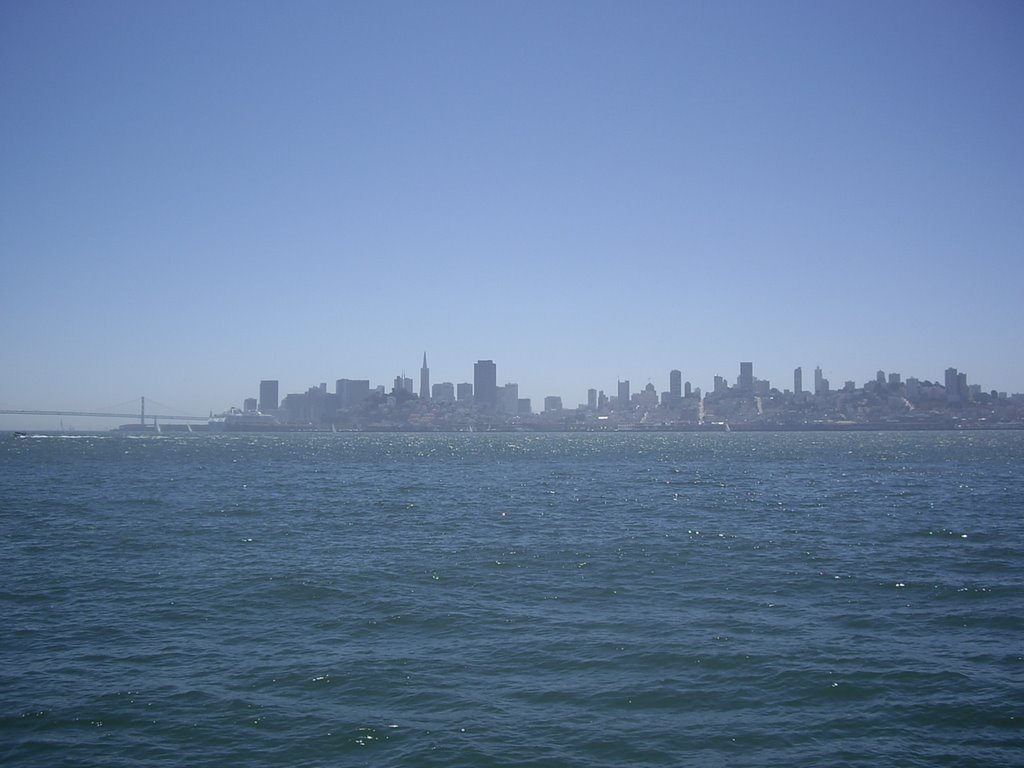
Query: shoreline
x,y
687,429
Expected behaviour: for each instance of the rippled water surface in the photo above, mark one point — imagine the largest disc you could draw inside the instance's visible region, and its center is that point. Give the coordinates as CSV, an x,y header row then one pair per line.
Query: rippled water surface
x,y
513,600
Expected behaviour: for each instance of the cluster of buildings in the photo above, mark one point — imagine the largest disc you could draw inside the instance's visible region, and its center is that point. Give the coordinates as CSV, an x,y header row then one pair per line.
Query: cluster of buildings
x,y
886,401
355,396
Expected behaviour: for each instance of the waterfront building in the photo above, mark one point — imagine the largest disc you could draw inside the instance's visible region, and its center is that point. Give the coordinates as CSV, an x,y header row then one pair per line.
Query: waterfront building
x,y
798,380
424,380
687,389
268,395
675,386
250,404
552,403
525,409
465,392
592,399
403,384
485,384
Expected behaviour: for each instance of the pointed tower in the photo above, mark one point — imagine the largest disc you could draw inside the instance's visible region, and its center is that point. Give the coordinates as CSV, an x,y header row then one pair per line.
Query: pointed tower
x,y
424,380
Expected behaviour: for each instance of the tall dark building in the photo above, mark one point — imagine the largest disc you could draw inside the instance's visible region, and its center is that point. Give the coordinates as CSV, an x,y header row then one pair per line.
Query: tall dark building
x,y
622,403
675,385
956,386
268,395
746,380
798,381
485,383
424,380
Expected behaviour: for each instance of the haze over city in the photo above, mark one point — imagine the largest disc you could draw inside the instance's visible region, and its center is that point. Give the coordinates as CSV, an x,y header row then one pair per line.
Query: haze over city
x,y
198,196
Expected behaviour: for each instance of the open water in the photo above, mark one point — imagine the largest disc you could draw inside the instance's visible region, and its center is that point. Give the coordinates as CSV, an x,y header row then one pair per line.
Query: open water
x,y
513,600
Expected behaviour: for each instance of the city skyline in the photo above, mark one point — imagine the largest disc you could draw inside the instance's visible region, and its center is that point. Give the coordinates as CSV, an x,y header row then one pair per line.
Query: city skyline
x,y
886,401
267,395
487,371
200,197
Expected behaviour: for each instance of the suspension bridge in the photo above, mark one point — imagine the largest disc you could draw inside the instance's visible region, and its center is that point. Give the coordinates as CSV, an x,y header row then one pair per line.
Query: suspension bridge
x,y
141,415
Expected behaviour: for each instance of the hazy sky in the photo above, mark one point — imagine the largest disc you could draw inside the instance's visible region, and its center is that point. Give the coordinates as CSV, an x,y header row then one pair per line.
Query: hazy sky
x,y
195,196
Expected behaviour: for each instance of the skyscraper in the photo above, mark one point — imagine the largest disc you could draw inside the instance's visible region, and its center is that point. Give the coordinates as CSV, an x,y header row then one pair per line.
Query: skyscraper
x,y
552,403
952,386
485,383
424,380
746,379
622,403
509,399
675,385
957,390
820,382
268,395
798,380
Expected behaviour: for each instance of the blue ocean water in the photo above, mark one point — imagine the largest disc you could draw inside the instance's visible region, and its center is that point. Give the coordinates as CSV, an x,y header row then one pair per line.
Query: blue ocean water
x,y
513,600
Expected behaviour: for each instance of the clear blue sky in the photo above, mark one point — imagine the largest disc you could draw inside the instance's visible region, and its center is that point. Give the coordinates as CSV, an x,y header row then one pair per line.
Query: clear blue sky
x,y
195,196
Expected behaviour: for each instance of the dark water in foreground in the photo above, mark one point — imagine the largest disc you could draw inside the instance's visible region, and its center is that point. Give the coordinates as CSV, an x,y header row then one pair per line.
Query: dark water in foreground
x,y
513,600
